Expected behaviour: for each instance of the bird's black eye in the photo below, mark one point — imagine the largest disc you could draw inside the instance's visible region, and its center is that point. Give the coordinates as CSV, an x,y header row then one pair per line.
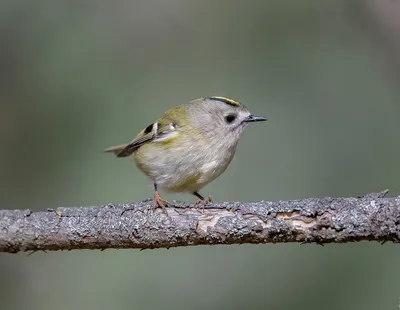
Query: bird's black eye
x,y
230,118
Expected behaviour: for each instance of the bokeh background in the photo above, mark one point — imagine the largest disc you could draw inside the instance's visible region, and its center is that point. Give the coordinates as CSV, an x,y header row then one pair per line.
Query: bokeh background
x,y
79,76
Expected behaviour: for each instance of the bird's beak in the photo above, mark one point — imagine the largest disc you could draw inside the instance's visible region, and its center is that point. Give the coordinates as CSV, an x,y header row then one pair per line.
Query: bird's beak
x,y
253,118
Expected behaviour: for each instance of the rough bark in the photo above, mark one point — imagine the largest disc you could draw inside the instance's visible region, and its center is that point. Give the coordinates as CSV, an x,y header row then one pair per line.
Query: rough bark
x,y
138,225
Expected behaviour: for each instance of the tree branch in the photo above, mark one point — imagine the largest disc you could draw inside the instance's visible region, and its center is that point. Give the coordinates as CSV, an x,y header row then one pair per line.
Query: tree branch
x,y
137,225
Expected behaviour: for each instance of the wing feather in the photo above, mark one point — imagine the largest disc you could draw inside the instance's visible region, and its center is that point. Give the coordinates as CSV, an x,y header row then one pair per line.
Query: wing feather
x,y
152,133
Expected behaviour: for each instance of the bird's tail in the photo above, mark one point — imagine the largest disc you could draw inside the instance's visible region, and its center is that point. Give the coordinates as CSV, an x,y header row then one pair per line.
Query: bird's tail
x,y
116,149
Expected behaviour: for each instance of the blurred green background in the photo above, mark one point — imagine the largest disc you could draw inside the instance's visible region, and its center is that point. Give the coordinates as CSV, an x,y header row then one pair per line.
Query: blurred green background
x,y
79,76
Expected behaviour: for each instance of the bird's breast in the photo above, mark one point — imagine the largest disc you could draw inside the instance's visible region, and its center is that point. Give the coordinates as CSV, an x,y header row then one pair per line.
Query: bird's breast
x,y
187,167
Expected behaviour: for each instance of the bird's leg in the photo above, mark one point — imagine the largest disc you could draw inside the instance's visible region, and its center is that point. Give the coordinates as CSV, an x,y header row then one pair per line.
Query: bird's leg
x,y
158,201
201,200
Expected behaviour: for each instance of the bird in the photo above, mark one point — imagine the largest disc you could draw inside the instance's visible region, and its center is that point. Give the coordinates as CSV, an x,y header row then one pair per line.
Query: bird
x,y
189,146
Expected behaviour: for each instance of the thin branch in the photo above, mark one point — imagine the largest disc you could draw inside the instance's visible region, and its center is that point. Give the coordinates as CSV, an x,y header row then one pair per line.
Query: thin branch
x,y
137,225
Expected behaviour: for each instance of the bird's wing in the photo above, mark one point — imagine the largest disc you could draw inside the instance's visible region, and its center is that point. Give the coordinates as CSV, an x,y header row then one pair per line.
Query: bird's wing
x,y
155,132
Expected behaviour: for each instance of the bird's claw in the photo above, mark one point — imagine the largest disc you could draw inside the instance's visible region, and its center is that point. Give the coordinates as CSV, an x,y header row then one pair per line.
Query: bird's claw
x,y
159,202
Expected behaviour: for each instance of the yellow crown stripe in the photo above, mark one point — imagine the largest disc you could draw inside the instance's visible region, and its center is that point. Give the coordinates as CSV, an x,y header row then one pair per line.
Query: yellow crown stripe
x,y
226,100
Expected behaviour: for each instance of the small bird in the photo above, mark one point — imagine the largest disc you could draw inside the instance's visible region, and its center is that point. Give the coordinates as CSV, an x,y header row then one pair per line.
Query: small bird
x,y
189,146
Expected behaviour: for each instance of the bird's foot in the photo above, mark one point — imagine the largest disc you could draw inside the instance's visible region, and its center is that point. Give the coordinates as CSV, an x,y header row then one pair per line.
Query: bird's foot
x,y
159,202
202,202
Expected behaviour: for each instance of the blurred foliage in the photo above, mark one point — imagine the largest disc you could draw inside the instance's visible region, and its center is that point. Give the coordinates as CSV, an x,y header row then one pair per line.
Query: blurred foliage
x,y
79,76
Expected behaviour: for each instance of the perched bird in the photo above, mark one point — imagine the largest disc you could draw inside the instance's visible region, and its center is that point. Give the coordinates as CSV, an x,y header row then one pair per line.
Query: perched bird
x,y
189,146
